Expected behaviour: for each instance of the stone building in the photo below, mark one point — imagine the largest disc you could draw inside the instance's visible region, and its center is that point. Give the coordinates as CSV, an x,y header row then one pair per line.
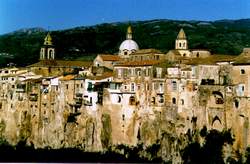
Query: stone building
x,y
147,95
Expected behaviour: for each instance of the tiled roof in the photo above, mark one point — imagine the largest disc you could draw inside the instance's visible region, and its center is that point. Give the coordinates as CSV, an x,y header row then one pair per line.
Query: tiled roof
x,y
67,77
146,51
213,59
138,63
103,76
61,63
109,57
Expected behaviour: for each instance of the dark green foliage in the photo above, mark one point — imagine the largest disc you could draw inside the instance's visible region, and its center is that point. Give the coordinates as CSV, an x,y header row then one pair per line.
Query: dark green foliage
x,y
23,153
223,37
211,151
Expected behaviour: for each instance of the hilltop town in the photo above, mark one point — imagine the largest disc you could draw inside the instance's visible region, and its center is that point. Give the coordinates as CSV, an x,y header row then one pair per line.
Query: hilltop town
x,y
136,95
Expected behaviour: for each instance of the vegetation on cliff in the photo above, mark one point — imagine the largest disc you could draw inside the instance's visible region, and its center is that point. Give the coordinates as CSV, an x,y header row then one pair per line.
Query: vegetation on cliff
x,y
209,150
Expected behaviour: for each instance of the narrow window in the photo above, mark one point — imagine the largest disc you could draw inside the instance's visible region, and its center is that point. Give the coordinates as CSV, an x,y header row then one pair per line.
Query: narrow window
x,y
182,102
236,103
174,101
133,87
174,85
119,99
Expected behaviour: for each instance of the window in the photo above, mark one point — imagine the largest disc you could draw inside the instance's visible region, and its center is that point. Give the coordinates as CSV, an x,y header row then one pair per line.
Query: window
x,y
119,72
119,99
161,87
132,100
50,54
198,54
174,85
133,87
123,117
173,101
179,44
242,71
90,101
139,73
182,102
161,99
242,88
153,100
236,103
67,86
125,53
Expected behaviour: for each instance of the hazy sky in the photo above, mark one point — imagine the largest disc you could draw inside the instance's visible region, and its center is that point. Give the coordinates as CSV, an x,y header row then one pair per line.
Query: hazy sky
x,y
61,14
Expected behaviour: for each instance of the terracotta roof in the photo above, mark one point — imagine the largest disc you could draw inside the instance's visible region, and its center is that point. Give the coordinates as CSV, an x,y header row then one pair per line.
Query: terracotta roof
x,y
61,63
103,76
138,63
213,59
146,51
67,77
110,57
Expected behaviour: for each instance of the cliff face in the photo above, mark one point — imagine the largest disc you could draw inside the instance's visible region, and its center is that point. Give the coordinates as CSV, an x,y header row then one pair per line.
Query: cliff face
x,y
92,131
56,120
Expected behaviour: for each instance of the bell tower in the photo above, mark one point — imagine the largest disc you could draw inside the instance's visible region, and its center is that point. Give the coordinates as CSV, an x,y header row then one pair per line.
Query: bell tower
x,y
181,41
47,51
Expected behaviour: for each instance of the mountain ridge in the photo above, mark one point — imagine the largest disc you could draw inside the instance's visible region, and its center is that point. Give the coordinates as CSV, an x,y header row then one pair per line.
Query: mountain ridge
x,y
220,36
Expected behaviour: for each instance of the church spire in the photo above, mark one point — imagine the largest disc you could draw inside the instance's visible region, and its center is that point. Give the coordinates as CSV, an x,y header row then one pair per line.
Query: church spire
x,y
48,40
181,34
129,33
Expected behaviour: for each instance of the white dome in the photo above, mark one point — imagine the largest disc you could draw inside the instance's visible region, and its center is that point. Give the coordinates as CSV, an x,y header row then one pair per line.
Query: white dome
x,y
129,45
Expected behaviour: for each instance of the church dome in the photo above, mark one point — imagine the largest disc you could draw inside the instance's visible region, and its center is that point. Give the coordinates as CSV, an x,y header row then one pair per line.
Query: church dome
x,y
129,45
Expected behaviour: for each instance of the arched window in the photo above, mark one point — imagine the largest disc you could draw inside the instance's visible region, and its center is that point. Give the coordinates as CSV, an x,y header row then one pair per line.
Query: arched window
x,y
182,101
198,54
174,100
184,44
179,44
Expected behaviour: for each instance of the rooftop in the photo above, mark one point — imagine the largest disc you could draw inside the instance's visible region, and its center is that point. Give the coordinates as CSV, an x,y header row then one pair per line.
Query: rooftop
x,y
107,57
61,63
138,63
